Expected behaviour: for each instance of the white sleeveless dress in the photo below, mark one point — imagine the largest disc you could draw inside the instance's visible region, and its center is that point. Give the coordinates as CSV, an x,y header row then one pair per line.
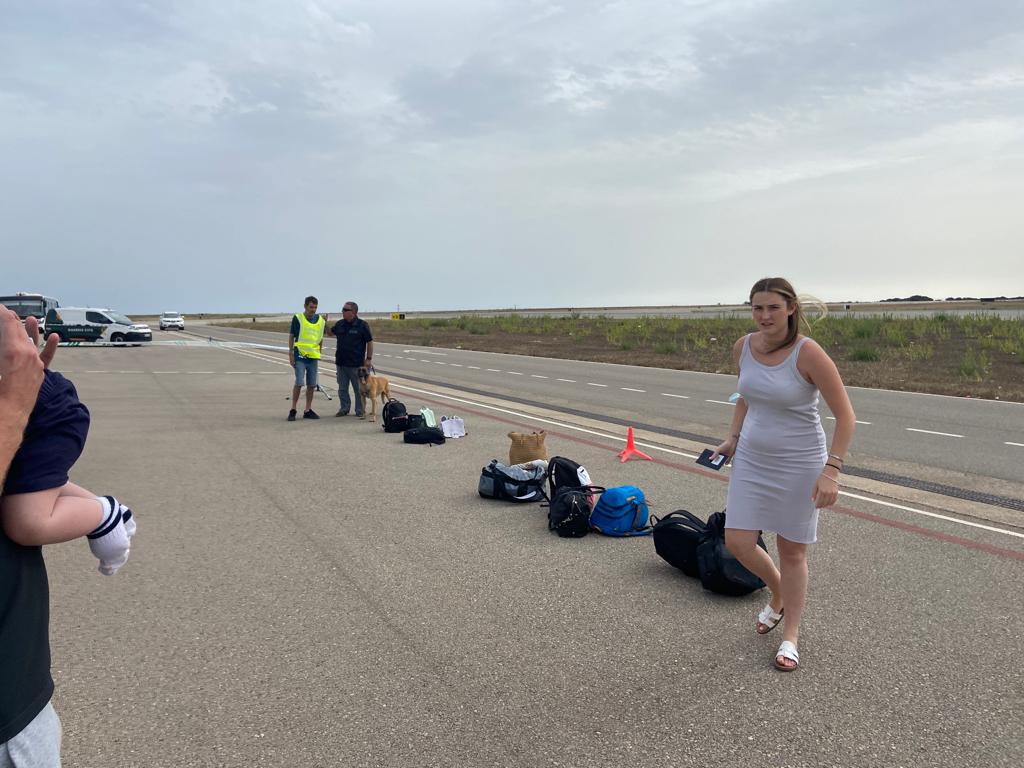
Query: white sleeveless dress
x,y
780,453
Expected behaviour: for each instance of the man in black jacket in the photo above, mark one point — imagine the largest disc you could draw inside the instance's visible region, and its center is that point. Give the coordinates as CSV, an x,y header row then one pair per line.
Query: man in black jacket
x,y
29,727
354,351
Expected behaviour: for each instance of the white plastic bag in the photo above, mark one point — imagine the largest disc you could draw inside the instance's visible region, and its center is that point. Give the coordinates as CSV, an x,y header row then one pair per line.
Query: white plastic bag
x,y
429,419
453,426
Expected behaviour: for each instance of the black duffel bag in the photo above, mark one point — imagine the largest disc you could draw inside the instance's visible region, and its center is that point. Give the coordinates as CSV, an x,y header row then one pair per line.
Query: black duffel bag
x,y
719,570
423,436
676,538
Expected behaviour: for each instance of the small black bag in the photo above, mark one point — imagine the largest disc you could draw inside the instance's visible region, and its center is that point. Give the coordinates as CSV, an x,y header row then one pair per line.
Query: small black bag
x,y
569,511
424,436
414,420
719,570
676,538
394,417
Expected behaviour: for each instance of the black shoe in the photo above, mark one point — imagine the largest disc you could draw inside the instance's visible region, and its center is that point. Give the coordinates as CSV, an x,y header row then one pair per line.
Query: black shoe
x,y
291,415
341,412
310,415
359,415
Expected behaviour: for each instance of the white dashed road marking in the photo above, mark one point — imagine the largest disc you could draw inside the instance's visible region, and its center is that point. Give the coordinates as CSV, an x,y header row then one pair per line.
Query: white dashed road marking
x,y
494,370
592,384
855,421
537,376
474,367
514,373
1019,445
567,381
681,397
630,389
720,402
930,432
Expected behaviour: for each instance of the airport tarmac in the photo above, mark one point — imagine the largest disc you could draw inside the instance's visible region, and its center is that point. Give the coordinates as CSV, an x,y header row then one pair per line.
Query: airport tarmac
x,y
318,593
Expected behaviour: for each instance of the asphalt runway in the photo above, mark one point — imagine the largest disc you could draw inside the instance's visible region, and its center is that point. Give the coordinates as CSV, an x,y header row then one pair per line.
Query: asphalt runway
x,y
317,593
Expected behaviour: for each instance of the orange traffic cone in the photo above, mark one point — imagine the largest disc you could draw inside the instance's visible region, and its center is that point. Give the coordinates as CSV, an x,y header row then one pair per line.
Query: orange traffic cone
x,y
630,449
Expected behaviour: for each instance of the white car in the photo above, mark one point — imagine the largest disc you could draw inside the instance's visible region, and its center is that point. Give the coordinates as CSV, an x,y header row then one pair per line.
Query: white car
x,y
172,320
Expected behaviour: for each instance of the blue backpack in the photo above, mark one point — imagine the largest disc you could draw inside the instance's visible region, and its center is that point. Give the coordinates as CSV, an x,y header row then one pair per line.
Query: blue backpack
x,y
621,511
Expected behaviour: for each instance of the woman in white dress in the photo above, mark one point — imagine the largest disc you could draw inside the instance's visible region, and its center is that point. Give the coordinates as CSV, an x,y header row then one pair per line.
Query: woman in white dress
x,y
782,471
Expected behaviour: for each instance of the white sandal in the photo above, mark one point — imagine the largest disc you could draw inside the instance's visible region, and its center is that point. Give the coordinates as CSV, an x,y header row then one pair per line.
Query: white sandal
x,y
769,619
787,651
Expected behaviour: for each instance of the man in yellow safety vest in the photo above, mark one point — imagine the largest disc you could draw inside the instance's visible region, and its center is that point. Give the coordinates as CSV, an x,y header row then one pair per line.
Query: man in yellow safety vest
x,y
305,340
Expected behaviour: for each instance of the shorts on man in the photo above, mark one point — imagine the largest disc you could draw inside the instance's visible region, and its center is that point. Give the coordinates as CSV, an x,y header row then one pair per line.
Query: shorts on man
x,y
305,371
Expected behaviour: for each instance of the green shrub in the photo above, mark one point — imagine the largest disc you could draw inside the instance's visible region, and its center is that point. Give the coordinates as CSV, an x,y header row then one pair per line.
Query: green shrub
x,y
974,364
865,354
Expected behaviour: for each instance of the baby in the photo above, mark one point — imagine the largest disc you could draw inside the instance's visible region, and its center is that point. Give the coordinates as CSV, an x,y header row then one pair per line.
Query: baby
x,y
39,506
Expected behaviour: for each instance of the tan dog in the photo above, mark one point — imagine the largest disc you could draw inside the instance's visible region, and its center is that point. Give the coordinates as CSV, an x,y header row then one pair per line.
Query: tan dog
x,y
372,386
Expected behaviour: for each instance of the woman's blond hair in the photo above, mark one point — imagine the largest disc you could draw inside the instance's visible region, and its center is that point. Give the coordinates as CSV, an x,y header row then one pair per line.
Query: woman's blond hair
x,y
784,288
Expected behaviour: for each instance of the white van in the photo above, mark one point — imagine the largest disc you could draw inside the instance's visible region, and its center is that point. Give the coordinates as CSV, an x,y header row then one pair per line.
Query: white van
x,y
94,324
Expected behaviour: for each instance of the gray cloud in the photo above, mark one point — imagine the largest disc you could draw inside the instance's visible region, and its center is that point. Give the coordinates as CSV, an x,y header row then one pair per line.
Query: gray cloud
x,y
219,146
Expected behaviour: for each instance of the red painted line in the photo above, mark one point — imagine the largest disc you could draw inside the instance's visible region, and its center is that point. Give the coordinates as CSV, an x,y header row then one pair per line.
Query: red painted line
x,y
908,527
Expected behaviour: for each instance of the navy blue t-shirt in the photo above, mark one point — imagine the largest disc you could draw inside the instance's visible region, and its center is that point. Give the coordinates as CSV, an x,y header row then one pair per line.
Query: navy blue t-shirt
x,y
25,681
352,339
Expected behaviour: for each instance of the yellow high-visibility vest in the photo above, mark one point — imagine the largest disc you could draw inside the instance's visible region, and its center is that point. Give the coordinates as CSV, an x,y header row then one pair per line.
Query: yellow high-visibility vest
x,y
310,336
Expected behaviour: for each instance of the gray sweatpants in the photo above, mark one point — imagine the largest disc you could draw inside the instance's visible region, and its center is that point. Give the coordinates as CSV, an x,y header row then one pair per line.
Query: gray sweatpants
x,y
38,744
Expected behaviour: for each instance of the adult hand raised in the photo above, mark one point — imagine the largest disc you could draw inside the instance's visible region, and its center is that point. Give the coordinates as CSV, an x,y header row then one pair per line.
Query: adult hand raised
x,y
49,348
21,365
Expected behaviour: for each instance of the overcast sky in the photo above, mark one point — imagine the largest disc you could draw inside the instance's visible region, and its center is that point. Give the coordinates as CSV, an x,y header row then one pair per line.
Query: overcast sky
x,y
236,155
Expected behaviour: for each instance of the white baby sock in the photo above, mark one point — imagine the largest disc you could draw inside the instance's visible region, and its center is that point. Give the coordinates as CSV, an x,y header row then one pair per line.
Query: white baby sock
x,y
110,541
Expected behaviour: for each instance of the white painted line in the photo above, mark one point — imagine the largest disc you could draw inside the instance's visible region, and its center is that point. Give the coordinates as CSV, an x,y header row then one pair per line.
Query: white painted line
x,y
720,402
384,354
197,373
439,362
235,373
455,365
514,373
129,371
494,370
426,361
662,449
273,373
630,389
930,432
1019,445
567,381
425,352
833,418
933,514
97,371
162,372
537,376
474,367
592,384
681,397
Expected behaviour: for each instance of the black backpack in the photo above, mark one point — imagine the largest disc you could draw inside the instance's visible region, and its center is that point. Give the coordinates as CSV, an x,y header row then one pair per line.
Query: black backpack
x,y
424,436
569,511
565,473
394,417
496,483
676,538
719,570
